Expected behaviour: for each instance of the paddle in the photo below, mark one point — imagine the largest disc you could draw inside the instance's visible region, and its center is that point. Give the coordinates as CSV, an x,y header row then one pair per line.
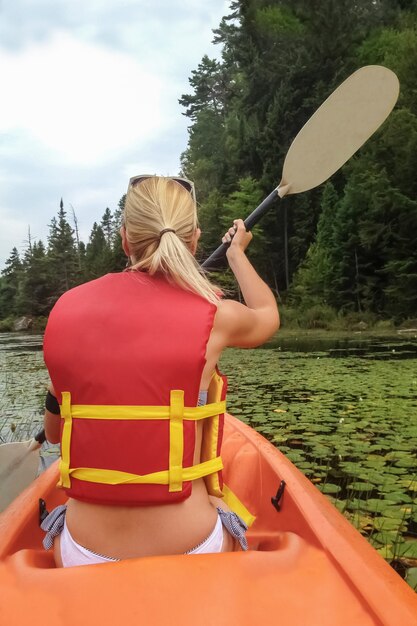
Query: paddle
x,y
19,462
339,127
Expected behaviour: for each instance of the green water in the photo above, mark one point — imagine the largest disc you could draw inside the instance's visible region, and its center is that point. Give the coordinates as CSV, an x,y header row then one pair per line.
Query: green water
x,y
342,408
23,383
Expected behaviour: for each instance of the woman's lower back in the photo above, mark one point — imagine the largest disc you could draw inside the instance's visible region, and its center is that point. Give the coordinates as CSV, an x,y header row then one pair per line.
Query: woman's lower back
x,y
126,532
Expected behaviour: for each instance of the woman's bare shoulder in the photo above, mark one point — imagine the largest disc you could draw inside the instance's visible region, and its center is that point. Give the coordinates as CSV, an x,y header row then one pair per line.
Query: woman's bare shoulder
x,y
243,327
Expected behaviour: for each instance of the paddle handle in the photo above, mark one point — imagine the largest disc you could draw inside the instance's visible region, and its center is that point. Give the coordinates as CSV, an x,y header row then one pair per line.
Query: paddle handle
x,y
218,255
40,437
37,440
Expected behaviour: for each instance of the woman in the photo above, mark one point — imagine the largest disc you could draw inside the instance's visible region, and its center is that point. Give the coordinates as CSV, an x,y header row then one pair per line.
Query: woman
x,y
130,356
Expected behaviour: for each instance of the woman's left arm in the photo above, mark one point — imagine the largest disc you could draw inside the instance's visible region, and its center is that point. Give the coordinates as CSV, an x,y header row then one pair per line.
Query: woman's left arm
x,y
52,420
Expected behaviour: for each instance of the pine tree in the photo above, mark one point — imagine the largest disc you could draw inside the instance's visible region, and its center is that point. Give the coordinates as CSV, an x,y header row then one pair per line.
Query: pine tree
x,y
314,280
119,260
209,89
35,297
9,286
62,254
97,255
107,226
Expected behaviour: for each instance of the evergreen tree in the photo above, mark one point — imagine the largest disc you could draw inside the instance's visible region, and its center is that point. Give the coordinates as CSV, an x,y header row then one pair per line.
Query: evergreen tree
x,y
35,296
209,217
209,90
62,254
9,285
107,226
204,160
13,266
314,280
97,255
118,256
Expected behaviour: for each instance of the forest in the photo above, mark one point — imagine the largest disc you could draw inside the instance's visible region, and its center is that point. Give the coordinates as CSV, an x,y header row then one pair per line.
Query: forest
x,y
346,250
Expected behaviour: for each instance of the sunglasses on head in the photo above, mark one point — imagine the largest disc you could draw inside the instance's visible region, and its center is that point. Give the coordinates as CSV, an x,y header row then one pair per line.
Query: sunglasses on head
x,y
187,184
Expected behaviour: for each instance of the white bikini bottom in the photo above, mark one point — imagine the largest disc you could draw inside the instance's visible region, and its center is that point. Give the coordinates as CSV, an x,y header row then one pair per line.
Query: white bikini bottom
x,y
74,554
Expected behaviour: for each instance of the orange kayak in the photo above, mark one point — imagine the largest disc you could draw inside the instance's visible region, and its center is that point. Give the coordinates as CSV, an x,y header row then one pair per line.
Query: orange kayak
x,y
307,566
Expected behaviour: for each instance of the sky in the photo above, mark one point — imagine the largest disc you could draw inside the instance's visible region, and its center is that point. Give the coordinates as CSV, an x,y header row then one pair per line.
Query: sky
x,y
89,98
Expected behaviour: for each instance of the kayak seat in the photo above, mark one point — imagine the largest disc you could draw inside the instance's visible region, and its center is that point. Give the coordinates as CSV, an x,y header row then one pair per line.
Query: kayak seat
x,y
285,542
38,559
289,548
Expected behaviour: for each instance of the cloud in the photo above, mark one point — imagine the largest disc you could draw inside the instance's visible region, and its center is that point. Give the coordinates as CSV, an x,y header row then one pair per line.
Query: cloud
x,y
80,101
31,186
131,25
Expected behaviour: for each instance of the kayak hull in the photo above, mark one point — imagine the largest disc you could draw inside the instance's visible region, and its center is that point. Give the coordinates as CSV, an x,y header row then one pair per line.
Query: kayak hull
x,y
307,566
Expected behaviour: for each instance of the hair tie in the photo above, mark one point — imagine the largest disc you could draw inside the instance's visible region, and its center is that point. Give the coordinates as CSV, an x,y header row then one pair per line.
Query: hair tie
x,y
166,230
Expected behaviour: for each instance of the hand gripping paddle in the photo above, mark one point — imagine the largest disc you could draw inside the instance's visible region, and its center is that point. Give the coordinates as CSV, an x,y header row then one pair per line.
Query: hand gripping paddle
x,y
339,127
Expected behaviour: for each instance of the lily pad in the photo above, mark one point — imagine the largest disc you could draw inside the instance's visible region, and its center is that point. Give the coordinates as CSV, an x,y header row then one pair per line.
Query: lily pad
x,y
398,471
400,497
386,537
361,522
295,456
340,505
361,487
410,484
408,549
386,523
411,578
407,463
375,462
387,552
330,488
375,505
398,513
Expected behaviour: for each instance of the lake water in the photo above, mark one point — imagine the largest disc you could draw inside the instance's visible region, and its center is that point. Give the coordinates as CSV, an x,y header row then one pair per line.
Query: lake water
x,y
342,408
23,385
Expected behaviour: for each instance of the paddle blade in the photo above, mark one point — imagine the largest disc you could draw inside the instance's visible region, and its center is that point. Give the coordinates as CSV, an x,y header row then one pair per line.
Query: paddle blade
x,y
339,127
18,468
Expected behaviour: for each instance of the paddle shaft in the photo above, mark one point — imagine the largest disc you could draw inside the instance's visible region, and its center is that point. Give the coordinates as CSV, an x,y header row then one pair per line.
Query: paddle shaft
x,y
218,255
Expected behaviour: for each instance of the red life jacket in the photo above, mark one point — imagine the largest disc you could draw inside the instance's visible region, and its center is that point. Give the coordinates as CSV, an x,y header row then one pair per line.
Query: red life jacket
x,y
125,354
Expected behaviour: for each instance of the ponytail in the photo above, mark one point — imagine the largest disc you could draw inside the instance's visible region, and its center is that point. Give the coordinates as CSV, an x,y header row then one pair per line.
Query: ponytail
x,y
161,222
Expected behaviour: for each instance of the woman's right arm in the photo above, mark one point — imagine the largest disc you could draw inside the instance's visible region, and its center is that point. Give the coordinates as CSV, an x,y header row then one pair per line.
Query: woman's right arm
x,y
251,324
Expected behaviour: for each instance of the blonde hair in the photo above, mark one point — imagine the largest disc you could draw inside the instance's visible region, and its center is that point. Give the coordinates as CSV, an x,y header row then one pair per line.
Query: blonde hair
x,y
153,205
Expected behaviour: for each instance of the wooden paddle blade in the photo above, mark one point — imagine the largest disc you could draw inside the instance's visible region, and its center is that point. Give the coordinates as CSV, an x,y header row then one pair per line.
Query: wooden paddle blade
x,y
339,127
18,468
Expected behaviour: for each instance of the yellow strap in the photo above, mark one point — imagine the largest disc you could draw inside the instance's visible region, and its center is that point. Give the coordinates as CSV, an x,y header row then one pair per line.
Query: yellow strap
x,y
176,440
66,440
114,477
124,412
211,434
237,506
176,413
